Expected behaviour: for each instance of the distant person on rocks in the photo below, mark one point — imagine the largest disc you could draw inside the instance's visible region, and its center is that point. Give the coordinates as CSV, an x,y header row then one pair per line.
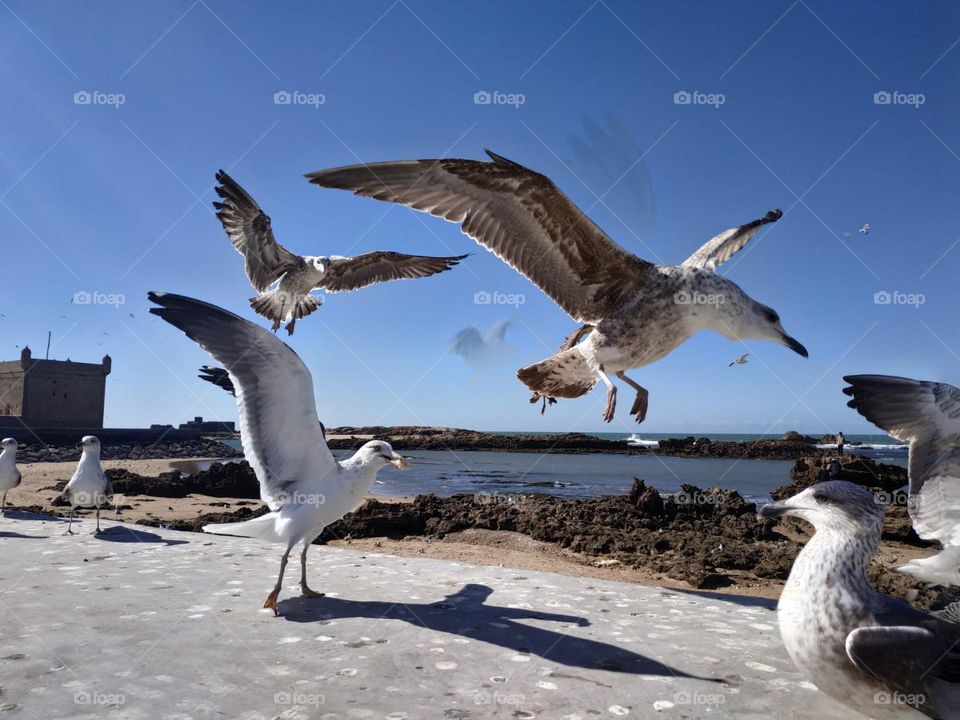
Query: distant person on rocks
x,y
840,442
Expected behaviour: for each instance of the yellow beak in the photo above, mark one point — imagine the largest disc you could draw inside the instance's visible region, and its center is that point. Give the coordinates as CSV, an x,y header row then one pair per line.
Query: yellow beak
x,y
400,462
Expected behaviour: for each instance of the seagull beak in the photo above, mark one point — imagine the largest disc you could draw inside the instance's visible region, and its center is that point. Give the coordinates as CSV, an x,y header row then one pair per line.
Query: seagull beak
x,y
400,462
794,345
773,510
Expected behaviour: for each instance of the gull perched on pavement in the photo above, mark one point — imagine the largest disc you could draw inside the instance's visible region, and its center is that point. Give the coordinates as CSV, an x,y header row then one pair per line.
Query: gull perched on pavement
x,y
873,653
89,486
268,262
636,312
9,475
742,360
305,488
927,414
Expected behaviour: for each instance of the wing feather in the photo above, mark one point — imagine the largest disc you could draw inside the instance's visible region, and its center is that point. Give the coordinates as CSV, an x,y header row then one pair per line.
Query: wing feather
x,y
722,247
517,214
281,434
248,227
345,273
927,414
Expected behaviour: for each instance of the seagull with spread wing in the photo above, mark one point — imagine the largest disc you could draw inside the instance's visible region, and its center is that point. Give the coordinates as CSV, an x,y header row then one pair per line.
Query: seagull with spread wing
x,y
634,312
267,262
927,415
305,488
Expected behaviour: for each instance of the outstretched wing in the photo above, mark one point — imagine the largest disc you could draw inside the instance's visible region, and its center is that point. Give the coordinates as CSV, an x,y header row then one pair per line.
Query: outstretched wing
x,y
519,215
498,331
351,273
217,376
248,228
279,429
721,248
927,414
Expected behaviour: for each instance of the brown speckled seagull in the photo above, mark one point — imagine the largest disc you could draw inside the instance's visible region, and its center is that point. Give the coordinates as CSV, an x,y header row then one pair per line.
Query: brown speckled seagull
x,y
873,653
635,312
268,262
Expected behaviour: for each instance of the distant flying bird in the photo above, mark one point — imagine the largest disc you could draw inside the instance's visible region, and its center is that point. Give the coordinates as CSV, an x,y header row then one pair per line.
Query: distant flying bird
x,y
927,414
9,475
638,311
742,360
268,262
304,486
855,644
131,315
865,229
89,486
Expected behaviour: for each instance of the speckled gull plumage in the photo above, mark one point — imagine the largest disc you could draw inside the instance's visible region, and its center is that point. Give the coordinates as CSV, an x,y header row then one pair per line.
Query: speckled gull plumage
x,y
634,312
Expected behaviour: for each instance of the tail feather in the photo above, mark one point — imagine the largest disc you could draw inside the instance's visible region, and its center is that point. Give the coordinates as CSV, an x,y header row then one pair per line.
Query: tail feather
x,y
263,527
565,375
279,306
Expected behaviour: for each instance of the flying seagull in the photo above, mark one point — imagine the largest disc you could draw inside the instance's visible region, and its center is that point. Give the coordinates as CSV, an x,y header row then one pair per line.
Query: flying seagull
x,y
638,311
480,350
268,262
305,488
89,486
873,653
865,229
742,360
9,475
927,414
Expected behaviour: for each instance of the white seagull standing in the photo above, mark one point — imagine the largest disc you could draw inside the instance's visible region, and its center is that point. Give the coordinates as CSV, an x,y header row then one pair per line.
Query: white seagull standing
x,y
9,475
89,486
742,360
927,414
268,262
635,312
305,488
873,653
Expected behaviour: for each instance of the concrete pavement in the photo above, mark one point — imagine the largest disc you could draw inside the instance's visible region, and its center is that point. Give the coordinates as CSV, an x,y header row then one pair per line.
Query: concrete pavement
x,y
141,623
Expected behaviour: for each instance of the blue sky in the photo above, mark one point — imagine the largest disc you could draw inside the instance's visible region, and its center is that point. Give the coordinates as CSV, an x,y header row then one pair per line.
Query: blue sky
x,y
115,197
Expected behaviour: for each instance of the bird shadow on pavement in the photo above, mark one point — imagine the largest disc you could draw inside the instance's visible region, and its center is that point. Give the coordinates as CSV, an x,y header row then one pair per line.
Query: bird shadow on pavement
x,y
124,534
467,614
744,600
4,534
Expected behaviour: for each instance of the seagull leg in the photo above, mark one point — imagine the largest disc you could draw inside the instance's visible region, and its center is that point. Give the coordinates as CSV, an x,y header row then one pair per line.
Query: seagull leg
x,y
272,597
304,588
611,396
73,512
4,503
97,531
289,326
643,395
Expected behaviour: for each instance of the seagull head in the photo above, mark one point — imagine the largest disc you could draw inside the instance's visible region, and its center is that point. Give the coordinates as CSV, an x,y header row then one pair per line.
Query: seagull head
x,y
834,505
8,444
320,263
380,454
89,443
743,318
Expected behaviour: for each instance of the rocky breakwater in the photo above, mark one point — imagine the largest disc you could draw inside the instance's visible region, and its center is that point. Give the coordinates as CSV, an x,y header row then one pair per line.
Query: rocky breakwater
x,y
35,452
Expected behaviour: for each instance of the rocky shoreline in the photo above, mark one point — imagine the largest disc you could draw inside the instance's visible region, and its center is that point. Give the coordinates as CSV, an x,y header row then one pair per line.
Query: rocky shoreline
x,y
412,437
708,538
205,448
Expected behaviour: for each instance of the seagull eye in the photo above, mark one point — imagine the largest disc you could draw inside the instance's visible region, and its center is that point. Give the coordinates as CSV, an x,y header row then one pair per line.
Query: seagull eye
x,y
772,316
821,498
